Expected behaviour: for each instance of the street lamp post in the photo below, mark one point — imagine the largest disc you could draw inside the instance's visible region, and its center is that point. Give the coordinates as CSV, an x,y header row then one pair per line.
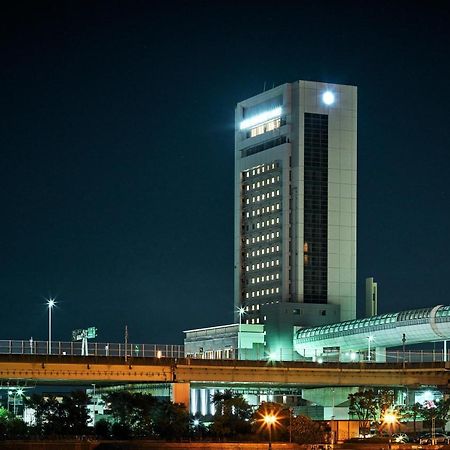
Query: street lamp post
x,y
94,405
270,420
369,340
241,312
50,304
390,419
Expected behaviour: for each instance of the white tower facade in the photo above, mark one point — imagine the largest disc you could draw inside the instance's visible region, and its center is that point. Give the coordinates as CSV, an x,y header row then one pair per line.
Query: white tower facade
x,y
295,203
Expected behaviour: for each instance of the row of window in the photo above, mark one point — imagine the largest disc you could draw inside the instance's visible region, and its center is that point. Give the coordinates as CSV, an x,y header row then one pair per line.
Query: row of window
x,y
262,183
261,265
263,224
262,237
252,308
264,128
262,197
263,210
259,170
265,278
262,292
263,251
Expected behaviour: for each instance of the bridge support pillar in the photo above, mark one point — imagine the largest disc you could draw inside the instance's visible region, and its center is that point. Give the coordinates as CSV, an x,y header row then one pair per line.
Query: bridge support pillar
x,y
181,393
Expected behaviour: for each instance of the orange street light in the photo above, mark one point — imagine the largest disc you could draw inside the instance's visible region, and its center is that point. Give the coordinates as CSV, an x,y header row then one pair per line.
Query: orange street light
x,y
270,420
390,419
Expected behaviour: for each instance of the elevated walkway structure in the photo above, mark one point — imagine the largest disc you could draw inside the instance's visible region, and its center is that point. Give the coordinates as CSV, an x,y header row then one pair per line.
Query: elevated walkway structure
x,y
368,338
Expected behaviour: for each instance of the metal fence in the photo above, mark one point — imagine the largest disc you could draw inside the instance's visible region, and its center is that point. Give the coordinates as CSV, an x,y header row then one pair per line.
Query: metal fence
x,y
32,347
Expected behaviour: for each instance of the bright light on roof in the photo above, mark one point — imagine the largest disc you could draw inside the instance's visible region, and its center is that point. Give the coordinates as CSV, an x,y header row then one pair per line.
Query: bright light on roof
x,y
260,118
328,98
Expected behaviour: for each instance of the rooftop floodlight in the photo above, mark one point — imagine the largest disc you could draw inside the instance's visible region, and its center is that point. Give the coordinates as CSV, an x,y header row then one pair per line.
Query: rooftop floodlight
x,y
260,118
328,98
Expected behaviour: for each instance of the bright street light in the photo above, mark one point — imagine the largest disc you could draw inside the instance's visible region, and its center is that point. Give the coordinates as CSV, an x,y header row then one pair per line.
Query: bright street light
x,y
369,339
50,304
241,312
270,420
389,420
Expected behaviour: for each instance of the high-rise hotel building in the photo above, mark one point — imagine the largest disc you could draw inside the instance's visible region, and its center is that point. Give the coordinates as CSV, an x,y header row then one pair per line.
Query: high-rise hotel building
x,y
295,205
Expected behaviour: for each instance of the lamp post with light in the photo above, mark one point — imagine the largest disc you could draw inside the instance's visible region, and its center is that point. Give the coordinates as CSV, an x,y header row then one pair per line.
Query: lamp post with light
x,y
241,312
390,419
50,304
369,340
270,420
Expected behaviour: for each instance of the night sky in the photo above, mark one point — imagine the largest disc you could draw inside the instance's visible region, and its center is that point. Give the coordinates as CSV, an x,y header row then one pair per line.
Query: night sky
x,y
117,141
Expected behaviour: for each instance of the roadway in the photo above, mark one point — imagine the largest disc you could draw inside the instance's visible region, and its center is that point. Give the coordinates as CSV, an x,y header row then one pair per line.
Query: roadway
x,y
43,369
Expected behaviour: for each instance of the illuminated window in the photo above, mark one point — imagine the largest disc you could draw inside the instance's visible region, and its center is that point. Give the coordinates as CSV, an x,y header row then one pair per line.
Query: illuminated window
x,y
257,307
257,265
277,290
247,295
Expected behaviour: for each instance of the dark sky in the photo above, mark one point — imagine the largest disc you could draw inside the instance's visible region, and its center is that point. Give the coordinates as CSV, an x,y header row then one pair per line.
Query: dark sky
x,y
116,140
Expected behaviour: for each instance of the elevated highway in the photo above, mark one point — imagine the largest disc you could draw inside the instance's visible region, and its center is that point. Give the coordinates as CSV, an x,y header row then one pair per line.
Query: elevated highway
x,y
184,373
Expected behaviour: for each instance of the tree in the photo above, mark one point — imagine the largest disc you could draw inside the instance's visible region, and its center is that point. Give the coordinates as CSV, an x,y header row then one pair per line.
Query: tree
x,y
364,405
413,412
437,411
133,411
171,420
232,416
75,413
102,428
307,431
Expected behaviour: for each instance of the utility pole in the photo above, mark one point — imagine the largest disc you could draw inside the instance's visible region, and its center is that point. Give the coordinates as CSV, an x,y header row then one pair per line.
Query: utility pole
x,y
126,343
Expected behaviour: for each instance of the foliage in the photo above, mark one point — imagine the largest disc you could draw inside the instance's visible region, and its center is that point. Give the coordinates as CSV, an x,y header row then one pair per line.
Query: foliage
x,y
411,412
438,411
307,431
66,417
171,420
11,427
102,428
232,416
133,411
364,406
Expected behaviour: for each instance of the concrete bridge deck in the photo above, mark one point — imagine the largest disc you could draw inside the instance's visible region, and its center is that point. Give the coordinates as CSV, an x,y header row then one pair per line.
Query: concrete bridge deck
x,y
88,369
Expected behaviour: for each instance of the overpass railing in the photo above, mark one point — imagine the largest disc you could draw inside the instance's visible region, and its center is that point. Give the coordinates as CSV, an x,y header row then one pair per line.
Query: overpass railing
x,y
32,347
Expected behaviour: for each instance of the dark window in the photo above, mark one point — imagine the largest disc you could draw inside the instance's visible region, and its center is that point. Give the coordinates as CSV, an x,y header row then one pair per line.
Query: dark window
x,y
315,209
